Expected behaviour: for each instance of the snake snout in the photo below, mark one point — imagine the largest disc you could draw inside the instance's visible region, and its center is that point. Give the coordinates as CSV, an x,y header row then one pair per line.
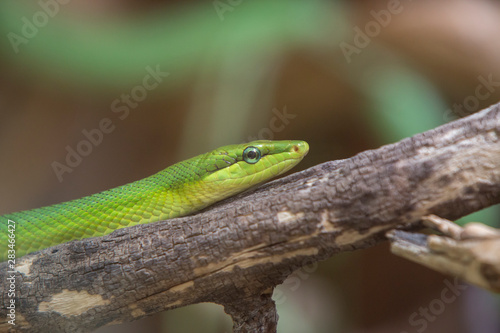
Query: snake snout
x,y
300,147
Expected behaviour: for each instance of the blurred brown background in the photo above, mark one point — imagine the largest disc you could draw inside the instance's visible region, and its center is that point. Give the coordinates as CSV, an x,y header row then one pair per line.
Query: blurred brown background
x,y
174,79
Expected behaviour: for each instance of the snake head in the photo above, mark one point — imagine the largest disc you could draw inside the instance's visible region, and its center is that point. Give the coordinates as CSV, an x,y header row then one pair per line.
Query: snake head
x,y
238,167
205,179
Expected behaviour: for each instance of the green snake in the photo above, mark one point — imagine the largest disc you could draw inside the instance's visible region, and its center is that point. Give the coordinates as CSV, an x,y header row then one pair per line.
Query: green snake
x,y
179,190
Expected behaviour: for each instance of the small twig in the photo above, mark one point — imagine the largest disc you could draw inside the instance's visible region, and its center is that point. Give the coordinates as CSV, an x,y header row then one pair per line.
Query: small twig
x,y
471,253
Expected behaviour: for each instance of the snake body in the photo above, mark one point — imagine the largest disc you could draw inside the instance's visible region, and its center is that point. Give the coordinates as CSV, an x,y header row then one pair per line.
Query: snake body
x,y
178,190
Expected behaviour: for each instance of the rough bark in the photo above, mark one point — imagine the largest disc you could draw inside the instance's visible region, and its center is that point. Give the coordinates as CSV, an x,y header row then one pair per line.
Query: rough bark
x,y
471,253
236,252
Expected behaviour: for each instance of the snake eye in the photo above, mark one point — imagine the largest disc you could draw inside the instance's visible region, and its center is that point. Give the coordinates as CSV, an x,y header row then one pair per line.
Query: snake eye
x,y
251,155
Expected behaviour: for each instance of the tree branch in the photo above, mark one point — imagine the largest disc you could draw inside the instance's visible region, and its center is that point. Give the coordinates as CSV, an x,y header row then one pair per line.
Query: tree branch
x,y
471,253
236,252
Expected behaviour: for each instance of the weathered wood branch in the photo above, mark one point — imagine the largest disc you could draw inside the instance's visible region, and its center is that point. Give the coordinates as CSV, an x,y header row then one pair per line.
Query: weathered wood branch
x,y
471,253
236,252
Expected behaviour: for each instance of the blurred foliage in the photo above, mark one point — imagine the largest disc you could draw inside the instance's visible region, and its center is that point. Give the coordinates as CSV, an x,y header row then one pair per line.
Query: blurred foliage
x,y
116,50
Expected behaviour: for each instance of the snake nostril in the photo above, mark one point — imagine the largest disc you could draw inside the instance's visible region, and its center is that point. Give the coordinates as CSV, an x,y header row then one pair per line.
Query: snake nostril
x,y
295,148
